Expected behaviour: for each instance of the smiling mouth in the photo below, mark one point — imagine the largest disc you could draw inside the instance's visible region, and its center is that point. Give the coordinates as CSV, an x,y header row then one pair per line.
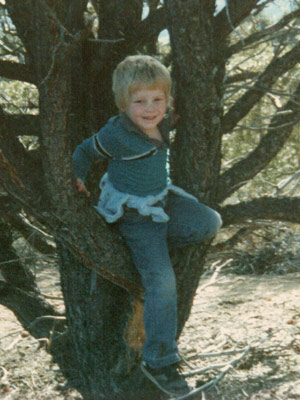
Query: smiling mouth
x,y
149,118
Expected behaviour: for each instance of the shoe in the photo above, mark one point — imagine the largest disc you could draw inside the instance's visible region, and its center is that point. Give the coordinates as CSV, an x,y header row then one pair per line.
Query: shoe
x,y
168,379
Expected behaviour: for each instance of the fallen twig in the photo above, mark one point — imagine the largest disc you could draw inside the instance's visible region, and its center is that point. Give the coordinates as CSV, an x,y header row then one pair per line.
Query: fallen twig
x,y
47,296
3,379
213,279
45,317
13,343
12,333
202,370
225,368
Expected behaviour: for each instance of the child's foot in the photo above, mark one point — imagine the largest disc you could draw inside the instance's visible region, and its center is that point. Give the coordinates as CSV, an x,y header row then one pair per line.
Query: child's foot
x,y
169,379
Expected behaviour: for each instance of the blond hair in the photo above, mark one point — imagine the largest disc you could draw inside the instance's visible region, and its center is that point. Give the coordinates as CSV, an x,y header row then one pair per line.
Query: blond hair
x,y
138,72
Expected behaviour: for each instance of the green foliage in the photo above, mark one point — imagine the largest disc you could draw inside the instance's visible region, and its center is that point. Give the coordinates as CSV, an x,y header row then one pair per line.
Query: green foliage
x,y
246,136
18,97
15,96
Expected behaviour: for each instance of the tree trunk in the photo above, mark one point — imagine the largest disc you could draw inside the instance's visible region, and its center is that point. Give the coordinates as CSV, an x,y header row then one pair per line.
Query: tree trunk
x,y
101,350
104,320
105,326
198,70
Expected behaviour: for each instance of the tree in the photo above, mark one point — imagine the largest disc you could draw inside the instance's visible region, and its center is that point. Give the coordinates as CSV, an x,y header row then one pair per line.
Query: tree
x,y
71,67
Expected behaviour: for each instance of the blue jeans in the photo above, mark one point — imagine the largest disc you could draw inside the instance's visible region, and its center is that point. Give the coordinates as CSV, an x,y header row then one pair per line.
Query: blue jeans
x,y
149,243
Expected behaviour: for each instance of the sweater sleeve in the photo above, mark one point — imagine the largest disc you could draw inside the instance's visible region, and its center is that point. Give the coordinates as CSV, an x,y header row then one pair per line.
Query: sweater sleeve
x,y
103,145
112,142
83,158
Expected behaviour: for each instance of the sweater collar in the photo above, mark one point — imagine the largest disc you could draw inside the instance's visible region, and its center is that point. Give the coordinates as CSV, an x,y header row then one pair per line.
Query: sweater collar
x,y
130,126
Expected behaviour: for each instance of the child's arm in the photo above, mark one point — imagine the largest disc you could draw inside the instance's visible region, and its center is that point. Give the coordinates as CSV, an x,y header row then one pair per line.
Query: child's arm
x,y
83,158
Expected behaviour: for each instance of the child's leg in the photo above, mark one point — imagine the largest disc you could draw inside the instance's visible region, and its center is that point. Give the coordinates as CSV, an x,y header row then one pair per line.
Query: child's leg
x,y
190,221
148,244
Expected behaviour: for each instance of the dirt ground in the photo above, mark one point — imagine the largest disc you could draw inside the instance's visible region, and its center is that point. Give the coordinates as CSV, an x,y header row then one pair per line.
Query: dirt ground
x,y
262,312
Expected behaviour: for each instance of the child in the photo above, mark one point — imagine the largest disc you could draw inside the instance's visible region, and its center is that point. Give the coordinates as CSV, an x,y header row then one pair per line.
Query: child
x,y
151,213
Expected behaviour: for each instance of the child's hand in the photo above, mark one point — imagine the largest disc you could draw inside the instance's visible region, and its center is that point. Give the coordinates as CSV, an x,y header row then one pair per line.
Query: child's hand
x,y
81,187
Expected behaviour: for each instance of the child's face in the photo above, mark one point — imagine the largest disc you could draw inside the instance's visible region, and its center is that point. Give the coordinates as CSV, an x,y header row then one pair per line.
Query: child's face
x,y
146,108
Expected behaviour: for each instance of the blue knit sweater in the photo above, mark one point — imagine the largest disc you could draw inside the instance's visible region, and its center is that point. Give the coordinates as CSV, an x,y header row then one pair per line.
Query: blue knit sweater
x,y
136,164
137,172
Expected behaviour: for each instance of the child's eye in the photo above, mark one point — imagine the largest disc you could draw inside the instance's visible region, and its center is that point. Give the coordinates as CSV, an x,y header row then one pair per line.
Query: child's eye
x,y
138,101
158,99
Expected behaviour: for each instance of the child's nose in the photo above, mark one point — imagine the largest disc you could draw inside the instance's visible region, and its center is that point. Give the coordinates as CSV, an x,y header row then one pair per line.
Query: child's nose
x,y
150,106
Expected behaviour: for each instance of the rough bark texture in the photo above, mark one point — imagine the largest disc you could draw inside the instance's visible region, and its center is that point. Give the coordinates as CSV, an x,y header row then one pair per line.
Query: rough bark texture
x,y
98,332
102,290
198,73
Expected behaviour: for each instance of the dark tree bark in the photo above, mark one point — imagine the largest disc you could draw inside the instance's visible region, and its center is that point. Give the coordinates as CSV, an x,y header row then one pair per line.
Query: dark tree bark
x,y
72,71
198,73
20,72
21,124
278,209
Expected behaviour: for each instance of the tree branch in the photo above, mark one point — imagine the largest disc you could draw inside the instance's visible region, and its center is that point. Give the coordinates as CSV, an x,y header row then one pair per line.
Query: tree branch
x,y
10,212
35,236
108,257
224,368
241,77
19,166
238,10
278,209
27,307
262,34
245,103
231,242
22,124
17,71
279,130
151,26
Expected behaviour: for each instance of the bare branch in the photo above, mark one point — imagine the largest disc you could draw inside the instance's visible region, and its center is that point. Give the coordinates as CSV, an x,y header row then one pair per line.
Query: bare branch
x,y
279,130
5,165
22,124
17,71
283,184
149,27
35,236
231,242
246,102
238,10
286,209
241,76
27,306
255,37
225,368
